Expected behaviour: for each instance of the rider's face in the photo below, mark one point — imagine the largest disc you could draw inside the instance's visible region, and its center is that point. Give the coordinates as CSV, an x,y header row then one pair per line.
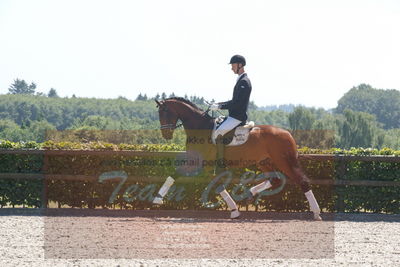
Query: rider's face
x,y
235,68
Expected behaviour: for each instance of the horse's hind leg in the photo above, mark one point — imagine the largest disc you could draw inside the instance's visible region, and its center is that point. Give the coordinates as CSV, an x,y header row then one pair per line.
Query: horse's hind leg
x,y
305,187
289,165
260,187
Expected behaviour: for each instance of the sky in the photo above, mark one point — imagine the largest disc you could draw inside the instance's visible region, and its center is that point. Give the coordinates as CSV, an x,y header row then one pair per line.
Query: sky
x,y
307,52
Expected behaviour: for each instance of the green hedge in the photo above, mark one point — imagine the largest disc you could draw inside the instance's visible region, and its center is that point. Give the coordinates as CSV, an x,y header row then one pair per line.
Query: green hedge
x,y
351,198
189,191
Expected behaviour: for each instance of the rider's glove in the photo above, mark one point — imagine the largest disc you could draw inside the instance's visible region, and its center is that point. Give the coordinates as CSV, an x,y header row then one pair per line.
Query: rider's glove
x,y
214,106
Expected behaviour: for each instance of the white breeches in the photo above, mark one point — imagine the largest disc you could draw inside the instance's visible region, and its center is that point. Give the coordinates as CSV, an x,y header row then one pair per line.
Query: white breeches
x,y
225,127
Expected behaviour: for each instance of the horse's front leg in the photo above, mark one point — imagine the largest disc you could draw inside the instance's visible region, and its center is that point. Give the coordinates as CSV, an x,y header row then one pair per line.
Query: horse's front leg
x,y
163,191
235,214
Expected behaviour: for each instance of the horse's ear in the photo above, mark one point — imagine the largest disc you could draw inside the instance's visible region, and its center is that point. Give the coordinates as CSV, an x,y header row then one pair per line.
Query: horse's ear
x,y
158,103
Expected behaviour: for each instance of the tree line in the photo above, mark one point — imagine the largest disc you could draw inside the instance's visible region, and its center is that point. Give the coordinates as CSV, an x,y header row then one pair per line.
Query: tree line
x,y
364,117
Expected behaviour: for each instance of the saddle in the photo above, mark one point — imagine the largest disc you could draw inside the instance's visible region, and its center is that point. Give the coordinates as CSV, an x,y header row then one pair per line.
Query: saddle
x,y
236,136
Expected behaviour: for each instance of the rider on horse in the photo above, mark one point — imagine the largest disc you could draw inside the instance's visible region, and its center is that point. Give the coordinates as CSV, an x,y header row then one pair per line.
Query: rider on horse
x,y
237,107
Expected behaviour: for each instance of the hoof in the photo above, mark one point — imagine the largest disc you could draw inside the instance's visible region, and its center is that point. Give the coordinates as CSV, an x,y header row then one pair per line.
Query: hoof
x,y
235,214
317,217
158,201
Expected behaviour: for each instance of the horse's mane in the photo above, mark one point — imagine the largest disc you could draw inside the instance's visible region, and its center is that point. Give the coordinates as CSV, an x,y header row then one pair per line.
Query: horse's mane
x,y
184,100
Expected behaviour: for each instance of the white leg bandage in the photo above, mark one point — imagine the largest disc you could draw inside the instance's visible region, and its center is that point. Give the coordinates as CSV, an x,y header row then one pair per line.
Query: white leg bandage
x,y
260,187
165,187
314,207
163,191
228,199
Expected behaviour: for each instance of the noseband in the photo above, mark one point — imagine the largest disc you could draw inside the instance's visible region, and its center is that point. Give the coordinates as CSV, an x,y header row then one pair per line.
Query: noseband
x,y
170,126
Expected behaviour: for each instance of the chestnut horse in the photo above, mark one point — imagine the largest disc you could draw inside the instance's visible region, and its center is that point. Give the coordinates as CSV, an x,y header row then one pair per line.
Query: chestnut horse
x,y
265,143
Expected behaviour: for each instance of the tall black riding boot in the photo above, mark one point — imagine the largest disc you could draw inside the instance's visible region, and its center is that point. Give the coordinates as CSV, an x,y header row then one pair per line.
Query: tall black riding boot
x,y
220,166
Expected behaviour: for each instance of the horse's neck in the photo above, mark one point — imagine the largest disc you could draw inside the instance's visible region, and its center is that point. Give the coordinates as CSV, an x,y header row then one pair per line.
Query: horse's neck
x,y
193,119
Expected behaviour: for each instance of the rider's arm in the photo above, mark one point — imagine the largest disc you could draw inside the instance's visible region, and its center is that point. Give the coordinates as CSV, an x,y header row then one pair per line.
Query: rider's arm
x,y
240,97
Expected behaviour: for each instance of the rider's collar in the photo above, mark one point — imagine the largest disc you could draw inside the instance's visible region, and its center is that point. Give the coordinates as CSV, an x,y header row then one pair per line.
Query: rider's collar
x,y
240,76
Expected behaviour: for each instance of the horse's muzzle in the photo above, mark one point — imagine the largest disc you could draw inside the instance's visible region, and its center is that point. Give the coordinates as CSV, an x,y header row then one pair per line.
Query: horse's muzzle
x,y
167,130
167,133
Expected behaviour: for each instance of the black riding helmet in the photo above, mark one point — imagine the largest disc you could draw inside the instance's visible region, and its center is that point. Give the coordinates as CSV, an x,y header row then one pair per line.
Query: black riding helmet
x,y
238,59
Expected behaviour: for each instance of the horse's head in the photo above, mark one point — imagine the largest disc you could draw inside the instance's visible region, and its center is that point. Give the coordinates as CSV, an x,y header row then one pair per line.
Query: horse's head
x,y
168,119
177,108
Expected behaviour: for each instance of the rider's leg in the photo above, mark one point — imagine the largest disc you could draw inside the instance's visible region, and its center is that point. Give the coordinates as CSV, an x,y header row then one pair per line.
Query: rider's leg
x,y
220,154
218,134
225,127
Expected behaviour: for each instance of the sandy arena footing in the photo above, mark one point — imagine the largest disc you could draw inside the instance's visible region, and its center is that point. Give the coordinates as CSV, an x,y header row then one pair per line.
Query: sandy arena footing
x,y
75,237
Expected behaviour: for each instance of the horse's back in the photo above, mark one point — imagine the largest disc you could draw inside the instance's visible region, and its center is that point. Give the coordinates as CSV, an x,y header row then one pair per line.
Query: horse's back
x,y
275,138
273,130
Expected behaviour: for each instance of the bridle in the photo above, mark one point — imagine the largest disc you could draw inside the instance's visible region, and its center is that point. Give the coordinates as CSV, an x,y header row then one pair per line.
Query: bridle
x,y
168,126
171,126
